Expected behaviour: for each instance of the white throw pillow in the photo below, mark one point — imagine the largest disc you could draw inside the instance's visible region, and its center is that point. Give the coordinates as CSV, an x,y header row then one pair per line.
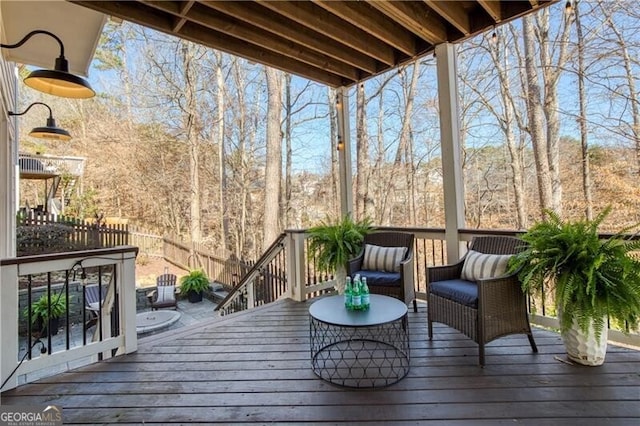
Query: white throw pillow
x,y
480,266
165,294
386,259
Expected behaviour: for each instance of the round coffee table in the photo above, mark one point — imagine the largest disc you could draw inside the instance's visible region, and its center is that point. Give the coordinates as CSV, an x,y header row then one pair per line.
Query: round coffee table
x,y
359,348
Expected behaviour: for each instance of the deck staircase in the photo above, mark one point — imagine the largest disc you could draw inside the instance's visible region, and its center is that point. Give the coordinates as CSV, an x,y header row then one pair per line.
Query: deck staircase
x,y
62,172
218,292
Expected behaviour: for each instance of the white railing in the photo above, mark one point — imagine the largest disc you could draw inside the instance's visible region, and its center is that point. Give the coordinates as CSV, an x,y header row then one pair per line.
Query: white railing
x,y
114,334
50,164
430,250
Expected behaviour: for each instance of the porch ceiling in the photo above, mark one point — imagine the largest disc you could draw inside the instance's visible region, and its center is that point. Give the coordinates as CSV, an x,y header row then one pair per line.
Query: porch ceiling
x,y
78,28
334,42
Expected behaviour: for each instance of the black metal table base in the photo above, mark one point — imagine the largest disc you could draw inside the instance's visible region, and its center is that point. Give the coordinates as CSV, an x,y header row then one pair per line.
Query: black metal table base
x,y
359,357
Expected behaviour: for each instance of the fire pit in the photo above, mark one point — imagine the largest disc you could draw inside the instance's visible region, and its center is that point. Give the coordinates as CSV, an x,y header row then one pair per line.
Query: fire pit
x,y
155,320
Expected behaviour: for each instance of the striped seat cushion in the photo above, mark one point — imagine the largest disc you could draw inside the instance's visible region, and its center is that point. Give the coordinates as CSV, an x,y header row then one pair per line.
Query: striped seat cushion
x,y
387,259
480,266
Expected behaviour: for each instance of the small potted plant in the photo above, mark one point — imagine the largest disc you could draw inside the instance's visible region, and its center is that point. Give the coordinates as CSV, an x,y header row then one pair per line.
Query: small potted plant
x,y
592,279
44,315
332,244
194,284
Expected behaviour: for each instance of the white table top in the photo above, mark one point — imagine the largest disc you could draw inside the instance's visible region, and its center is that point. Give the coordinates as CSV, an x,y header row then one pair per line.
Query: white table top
x,y
382,310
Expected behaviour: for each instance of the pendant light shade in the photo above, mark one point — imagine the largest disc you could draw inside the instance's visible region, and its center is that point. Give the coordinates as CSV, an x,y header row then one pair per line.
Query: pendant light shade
x,y
58,81
50,130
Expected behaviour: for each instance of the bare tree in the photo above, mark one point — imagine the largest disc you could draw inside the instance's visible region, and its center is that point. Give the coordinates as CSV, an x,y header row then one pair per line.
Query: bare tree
x,y
288,118
584,142
273,166
506,112
190,125
535,115
222,175
363,204
629,74
333,131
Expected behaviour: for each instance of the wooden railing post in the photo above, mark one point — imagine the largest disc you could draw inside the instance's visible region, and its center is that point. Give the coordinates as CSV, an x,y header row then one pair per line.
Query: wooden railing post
x,y
296,265
127,278
251,294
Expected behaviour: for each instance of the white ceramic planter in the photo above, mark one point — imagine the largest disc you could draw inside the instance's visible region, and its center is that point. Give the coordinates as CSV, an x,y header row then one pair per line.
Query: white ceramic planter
x,y
584,348
340,279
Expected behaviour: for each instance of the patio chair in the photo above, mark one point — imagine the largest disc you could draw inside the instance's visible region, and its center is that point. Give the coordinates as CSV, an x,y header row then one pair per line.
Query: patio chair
x,y
164,296
94,297
476,296
387,263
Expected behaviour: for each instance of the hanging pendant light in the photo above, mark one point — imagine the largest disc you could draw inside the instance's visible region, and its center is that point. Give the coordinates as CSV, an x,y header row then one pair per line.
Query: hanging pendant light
x,y
50,130
58,81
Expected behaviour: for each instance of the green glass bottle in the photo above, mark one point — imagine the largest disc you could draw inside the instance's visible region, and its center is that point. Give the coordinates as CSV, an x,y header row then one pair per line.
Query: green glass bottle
x,y
364,294
356,297
348,291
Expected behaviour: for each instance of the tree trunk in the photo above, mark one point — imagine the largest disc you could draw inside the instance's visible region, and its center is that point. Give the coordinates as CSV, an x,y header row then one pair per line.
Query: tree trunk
x,y
273,166
535,115
407,138
551,107
222,211
584,143
333,128
362,154
286,202
190,125
508,121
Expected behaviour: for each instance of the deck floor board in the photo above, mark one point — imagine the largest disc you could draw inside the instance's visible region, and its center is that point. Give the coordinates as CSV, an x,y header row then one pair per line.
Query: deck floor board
x,y
254,368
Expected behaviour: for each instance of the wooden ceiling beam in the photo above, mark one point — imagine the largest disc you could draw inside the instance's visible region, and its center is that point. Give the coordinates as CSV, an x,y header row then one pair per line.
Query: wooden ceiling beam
x,y
453,12
492,7
184,9
368,19
308,15
232,27
276,24
334,42
416,17
230,45
140,14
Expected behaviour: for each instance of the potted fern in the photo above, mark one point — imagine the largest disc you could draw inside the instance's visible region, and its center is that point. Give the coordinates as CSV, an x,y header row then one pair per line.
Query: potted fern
x,y
592,279
45,314
194,284
333,243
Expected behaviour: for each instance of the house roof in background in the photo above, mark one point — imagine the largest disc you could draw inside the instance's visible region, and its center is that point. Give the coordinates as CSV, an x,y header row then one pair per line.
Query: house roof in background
x,y
79,29
334,42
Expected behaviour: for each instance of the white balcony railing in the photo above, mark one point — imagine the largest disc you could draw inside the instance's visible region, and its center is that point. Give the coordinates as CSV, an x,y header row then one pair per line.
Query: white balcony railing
x,y
43,164
23,279
302,282
284,271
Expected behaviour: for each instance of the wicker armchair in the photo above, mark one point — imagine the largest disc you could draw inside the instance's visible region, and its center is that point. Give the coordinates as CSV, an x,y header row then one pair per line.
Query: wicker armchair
x,y
483,310
396,283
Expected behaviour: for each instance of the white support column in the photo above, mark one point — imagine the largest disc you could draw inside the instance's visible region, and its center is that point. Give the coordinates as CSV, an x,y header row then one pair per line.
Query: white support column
x,y
9,320
453,183
8,160
344,152
8,196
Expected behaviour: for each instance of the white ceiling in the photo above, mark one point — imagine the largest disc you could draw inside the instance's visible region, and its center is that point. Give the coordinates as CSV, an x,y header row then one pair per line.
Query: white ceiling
x,y
79,29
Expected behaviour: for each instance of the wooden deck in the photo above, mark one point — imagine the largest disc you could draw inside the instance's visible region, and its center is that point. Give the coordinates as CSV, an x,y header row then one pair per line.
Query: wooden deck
x,y
253,367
